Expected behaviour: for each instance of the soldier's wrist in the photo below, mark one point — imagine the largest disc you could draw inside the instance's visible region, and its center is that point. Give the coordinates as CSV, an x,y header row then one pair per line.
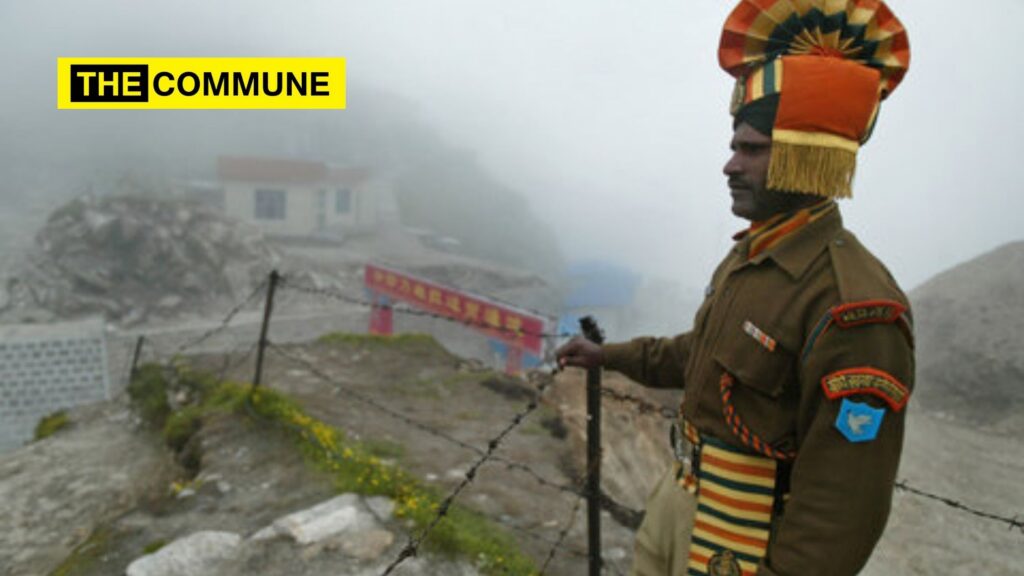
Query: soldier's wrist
x,y
615,355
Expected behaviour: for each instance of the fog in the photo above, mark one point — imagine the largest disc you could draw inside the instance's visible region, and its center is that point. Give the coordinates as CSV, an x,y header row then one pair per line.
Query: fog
x,y
609,118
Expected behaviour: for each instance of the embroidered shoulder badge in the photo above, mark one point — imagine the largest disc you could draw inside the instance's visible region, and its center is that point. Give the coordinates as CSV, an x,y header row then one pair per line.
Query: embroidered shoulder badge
x,y
859,422
867,312
866,380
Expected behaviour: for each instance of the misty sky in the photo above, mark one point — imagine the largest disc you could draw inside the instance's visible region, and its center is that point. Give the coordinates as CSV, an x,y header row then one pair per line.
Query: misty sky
x,y
611,117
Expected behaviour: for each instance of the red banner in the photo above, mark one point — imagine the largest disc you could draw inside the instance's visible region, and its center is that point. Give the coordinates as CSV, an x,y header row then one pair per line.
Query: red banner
x,y
502,322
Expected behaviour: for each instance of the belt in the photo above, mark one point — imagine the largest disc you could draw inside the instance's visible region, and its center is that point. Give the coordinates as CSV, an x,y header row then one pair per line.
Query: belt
x,y
738,494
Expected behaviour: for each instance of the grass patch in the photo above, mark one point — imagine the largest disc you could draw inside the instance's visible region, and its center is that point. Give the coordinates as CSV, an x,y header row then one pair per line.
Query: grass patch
x,y
457,380
182,425
378,339
153,547
86,554
49,425
384,449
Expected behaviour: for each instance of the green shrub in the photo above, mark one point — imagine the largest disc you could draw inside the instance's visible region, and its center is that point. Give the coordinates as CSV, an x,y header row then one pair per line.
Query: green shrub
x,y
198,384
148,391
181,426
50,424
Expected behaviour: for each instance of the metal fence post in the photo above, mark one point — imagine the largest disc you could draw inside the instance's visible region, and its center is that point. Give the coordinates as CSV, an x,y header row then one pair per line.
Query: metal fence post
x,y
593,333
267,309
135,358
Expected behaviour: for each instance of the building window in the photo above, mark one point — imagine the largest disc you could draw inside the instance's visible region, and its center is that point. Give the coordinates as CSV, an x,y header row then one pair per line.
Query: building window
x,y
342,201
270,204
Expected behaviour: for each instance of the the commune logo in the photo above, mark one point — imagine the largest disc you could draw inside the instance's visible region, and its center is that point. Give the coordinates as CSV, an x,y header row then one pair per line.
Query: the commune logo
x,y
201,83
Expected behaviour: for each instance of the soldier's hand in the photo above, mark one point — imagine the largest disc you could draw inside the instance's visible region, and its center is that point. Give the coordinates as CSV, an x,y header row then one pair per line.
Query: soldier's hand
x,y
581,353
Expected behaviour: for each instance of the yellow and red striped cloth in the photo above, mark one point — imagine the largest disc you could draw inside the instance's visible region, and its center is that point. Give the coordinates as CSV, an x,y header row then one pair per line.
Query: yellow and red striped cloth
x,y
735,500
861,31
769,233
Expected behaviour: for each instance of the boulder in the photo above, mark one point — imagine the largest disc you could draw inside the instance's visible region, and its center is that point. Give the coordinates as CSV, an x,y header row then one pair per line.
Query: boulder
x,y
342,516
197,554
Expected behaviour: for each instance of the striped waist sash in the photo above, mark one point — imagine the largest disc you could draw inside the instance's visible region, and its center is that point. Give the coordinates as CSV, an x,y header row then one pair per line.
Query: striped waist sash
x,y
736,497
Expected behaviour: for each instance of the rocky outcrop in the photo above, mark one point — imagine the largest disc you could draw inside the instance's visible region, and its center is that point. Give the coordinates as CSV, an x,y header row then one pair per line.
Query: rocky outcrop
x,y
128,258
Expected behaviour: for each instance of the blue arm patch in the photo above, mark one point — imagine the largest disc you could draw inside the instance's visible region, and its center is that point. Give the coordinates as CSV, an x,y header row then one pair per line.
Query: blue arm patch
x,y
859,422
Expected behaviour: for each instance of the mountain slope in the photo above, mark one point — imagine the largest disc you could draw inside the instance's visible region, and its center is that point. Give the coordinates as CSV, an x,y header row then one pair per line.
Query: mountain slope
x,y
969,323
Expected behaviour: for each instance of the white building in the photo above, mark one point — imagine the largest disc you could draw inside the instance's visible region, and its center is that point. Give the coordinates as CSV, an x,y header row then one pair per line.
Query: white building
x,y
298,198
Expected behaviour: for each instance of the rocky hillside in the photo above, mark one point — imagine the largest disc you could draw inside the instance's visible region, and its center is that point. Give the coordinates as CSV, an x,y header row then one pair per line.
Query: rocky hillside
x,y
969,326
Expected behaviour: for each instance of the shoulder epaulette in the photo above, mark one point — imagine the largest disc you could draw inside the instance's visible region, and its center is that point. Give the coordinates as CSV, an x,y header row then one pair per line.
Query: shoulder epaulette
x,y
867,312
854,314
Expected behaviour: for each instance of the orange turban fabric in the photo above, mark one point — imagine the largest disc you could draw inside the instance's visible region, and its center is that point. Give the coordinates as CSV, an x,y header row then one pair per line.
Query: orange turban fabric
x,y
830,63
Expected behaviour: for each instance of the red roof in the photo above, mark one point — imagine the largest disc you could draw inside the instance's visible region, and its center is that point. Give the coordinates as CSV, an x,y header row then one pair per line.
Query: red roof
x,y
277,170
284,171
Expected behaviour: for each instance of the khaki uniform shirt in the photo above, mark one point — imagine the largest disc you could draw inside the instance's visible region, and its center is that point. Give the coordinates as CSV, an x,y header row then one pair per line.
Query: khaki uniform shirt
x,y
840,490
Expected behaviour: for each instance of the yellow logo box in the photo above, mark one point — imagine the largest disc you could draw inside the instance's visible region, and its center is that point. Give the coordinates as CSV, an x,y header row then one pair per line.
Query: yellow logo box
x,y
201,83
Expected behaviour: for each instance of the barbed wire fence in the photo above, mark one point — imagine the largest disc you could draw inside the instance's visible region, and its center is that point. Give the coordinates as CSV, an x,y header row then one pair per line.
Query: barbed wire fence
x,y
234,357
626,516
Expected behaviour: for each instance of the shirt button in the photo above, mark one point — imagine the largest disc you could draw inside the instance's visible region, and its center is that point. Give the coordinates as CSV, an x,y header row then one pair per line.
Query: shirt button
x,y
840,242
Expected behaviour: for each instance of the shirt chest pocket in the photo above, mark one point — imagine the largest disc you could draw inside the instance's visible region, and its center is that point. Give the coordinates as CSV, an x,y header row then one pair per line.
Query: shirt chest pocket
x,y
755,358
764,393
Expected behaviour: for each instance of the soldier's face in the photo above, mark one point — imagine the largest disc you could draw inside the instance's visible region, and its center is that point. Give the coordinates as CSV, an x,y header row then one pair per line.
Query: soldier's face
x,y
747,171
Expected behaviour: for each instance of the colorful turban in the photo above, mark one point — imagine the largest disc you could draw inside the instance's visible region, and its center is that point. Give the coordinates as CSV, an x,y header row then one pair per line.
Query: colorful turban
x,y
829,63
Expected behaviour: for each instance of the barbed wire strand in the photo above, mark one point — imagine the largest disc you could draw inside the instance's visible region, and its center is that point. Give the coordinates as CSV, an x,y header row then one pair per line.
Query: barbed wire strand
x,y
370,401
417,424
644,406
228,365
189,344
564,532
412,547
624,515
1012,523
330,454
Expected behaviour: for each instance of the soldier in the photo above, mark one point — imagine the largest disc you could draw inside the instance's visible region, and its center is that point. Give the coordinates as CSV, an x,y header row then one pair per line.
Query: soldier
x,y
799,366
